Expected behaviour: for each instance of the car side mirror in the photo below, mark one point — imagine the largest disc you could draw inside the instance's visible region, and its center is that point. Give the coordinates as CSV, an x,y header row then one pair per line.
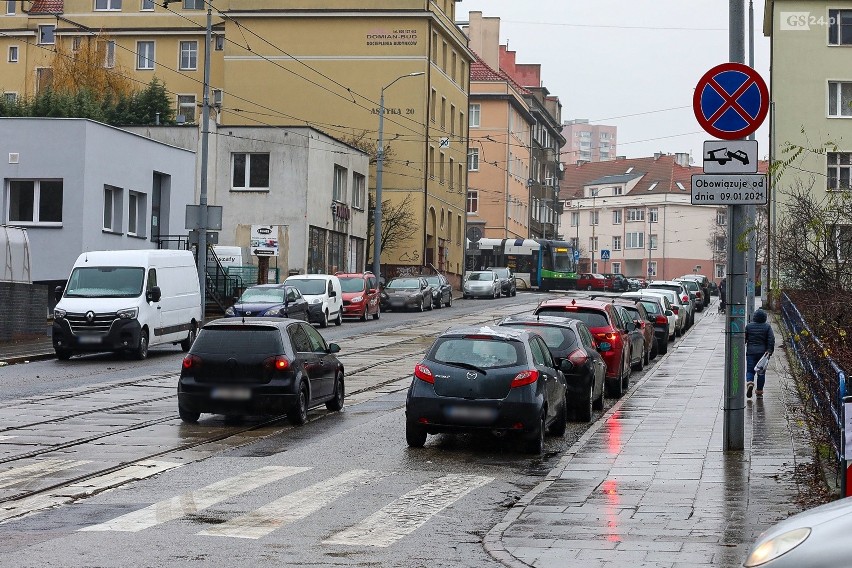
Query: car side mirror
x,y
669,313
332,294
333,348
153,294
566,366
57,293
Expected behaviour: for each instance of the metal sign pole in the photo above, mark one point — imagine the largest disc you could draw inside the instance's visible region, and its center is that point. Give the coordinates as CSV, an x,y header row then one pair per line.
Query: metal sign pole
x,y
751,210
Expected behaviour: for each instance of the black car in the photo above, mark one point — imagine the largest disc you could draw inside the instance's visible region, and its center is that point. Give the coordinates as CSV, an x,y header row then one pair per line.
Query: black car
x,y
508,287
270,300
489,379
570,340
259,366
619,282
442,290
407,293
636,335
656,316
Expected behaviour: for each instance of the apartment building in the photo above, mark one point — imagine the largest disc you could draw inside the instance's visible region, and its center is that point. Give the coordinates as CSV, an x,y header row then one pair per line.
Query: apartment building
x,y
588,142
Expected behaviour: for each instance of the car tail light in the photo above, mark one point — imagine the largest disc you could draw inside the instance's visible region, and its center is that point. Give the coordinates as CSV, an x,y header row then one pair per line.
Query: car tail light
x,y
578,357
699,294
279,363
662,320
675,310
525,378
191,362
478,337
685,298
424,373
607,336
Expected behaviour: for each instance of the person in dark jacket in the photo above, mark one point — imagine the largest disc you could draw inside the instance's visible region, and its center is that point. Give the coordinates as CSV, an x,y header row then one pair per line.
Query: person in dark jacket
x,y
722,293
759,340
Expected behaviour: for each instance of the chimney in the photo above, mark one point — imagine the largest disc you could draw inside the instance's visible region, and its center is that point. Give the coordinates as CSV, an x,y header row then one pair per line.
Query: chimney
x,y
682,159
658,155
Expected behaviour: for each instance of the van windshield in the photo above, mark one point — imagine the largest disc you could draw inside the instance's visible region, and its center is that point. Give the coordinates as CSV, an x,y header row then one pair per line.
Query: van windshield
x,y
105,282
312,287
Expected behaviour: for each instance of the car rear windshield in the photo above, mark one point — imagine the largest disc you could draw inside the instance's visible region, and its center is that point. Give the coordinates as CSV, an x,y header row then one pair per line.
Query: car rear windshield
x,y
263,296
652,307
312,287
691,285
238,340
501,272
352,284
481,353
671,287
590,317
404,284
433,280
482,276
634,313
556,338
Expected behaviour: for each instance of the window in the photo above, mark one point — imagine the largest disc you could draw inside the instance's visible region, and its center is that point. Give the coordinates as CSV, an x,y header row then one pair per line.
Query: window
x,y
594,217
45,34
35,202
652,268
618,190
616,217
188,55
720,271
193,4
461,177
443,113
616,268
441,168
453,65
444,57
720,244
186,108
721,217
10,97
219,43
112,209
635,214
475,114
107,4
840,27
473,160
147,5
472,201
136,214
338,192
13,54
10,7
635,240
359,191
44,78
616,242
575,218
250,171
593,243
452,120
432,162
106,51
839,98
653,214
451,171
435,47
144,54
76,43
652,242
839,169
432,104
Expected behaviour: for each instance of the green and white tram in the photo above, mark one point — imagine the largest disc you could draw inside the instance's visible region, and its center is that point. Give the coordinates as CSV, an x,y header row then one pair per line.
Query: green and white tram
x,y
538,264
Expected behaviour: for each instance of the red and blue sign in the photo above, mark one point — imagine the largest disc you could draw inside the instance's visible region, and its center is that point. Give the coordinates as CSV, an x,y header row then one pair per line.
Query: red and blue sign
x,y
731,101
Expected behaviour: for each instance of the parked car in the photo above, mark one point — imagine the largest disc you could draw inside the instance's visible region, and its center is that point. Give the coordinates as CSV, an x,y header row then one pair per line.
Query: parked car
x,y
487,379
619,282
324,295
483,283
407,293
607,327
695,292
704,283
593,282
681,297
635,336
442,290
674,305
507,281
633,284
360,295
259,366
714,288
815,538
270,300
570,340
637,313
665,320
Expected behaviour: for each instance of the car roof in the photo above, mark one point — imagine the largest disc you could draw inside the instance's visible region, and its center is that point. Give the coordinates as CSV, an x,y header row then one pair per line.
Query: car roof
x,y
644,295
311,277
354,274
282,285
664,282
279,323
552,321
562,302
493,331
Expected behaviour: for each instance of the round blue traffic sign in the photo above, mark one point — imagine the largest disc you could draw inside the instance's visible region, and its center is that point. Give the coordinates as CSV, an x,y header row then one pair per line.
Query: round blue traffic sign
x,y
731,101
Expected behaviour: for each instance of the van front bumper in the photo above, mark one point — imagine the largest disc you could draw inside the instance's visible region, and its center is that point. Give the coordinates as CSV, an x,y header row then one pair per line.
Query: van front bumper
x,y
122,334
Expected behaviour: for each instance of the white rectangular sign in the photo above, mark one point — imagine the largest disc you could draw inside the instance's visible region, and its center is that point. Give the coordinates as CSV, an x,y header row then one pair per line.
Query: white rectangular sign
x,y
264,240
729,189
730,156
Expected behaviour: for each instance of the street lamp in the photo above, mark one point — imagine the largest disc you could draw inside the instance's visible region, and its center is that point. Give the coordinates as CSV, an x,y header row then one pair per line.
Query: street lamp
x,y
380,164
593,244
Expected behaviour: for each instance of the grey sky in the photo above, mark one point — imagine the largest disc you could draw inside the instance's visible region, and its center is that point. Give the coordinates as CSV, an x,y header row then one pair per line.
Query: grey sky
x,y
605,59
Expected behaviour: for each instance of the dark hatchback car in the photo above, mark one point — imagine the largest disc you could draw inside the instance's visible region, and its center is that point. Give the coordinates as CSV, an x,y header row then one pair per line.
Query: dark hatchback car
x,y
442,290
407,293
259,366
270,300
491,379
619,282
570,340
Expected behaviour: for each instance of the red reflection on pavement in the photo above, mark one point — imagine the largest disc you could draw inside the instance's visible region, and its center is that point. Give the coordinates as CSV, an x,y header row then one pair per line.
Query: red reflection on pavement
x,y
610,489
613,433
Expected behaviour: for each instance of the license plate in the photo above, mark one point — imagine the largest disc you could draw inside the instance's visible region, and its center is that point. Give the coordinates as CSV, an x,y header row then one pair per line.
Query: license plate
x,y
475,413
231,393
89,339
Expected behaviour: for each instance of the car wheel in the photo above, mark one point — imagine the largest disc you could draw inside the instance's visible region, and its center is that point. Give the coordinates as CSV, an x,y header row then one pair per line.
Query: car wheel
x,y
560,424
662,347
450,300
647,359
378,313
535,443
336,403
589,288
190,338
465,296
63,354
324,322
364,315
514,292
599,402
440,303
423,305
298,414
639,365
678,331
415,435
339,320
141,352
654,349
583,412
625,377
431,305
188,416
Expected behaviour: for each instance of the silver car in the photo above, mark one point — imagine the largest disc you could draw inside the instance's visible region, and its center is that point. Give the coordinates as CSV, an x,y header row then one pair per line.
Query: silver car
x,y
482,283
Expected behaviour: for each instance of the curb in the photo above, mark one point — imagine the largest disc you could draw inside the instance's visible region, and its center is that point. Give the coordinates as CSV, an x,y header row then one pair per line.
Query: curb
x,y
16,359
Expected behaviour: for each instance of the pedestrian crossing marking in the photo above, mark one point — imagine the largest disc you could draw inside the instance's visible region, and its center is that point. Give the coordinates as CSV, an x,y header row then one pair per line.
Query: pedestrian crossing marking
x,y
194,501
292,507
35,470
409,512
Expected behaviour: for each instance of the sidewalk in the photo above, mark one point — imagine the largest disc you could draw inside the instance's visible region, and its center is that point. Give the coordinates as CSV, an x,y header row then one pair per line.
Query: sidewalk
x,y
27,350
649,485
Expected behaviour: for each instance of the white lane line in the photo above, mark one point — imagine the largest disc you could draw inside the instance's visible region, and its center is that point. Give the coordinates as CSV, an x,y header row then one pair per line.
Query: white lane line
x,y
2,438
35,470
292,507
83,489
409,512
194,501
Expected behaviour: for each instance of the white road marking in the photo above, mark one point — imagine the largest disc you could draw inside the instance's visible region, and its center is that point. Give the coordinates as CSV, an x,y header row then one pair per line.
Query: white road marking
x,y
409,512
83,489
3,438
292,507
194,501
35,470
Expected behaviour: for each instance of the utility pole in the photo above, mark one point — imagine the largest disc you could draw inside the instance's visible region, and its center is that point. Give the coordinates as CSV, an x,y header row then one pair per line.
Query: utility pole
x,y
734,400
751,210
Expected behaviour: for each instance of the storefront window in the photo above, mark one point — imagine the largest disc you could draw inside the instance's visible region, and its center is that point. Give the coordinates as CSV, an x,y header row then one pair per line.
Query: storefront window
x,y
316,250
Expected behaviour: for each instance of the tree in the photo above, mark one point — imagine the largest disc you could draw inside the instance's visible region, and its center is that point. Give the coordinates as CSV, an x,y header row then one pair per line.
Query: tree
x,y
90,67
369,147
397,224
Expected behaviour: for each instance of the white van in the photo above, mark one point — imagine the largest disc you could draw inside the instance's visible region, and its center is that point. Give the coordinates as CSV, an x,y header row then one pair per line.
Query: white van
x,y
324,296
127,300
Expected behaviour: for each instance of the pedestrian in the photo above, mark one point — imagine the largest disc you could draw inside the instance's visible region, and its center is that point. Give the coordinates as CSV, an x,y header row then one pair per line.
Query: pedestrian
x,y
760,341
722,295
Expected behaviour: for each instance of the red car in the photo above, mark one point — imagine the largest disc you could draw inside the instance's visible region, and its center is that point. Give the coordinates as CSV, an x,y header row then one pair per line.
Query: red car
x,y
597,282
360,295
607,327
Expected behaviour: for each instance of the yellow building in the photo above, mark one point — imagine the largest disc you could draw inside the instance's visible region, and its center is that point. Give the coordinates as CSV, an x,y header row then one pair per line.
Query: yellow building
x,y
292,62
